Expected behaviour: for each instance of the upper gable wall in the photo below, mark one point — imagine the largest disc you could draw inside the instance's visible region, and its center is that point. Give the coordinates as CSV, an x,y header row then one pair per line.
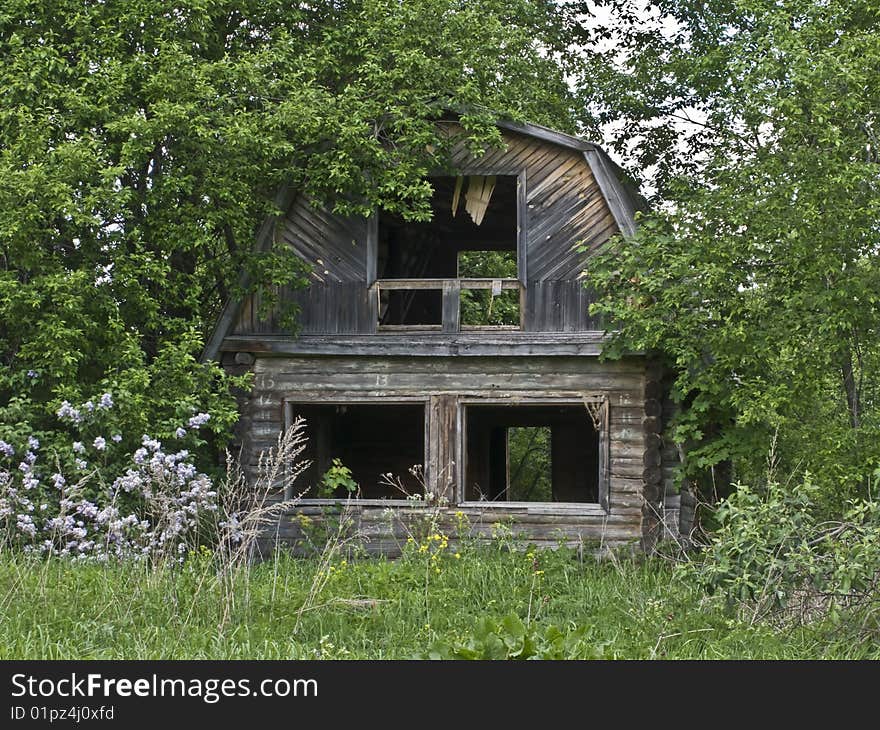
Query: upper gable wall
x,y
565,207
564,210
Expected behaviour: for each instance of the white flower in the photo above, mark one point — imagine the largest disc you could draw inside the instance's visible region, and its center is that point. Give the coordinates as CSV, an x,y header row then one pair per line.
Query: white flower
x,y
78,447
99,443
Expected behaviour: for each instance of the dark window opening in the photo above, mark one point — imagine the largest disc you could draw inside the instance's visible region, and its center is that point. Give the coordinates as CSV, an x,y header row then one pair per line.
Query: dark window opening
x,y
429,249
534,453
472,235
411,307
371,440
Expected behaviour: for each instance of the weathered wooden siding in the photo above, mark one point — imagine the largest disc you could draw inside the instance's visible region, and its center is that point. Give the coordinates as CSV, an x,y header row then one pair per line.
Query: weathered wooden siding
x,y
564,207
442,384
564,214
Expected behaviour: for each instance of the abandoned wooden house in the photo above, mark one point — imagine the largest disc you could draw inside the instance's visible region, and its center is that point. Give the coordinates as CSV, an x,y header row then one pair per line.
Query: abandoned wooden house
x,y
463,345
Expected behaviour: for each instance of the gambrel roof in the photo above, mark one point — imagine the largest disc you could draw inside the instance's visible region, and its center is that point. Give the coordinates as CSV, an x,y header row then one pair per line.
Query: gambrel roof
x,y
621,204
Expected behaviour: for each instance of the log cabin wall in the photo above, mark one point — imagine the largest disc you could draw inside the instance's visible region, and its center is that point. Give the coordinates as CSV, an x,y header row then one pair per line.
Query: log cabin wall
x,y
444,385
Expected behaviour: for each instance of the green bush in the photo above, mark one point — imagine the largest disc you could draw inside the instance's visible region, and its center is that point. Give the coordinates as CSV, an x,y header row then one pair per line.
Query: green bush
x,y
772,551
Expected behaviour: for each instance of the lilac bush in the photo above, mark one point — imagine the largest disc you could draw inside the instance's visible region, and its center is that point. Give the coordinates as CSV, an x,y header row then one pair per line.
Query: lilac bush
x,y
60,503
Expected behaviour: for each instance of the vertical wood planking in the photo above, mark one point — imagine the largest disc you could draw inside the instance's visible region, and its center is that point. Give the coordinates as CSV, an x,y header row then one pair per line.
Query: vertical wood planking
x,y
561,209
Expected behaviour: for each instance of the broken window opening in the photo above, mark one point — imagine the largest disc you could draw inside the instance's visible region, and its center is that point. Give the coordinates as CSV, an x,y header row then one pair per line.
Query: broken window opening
x,y
494,307
371,440
472,236
429,249
531,453
422,308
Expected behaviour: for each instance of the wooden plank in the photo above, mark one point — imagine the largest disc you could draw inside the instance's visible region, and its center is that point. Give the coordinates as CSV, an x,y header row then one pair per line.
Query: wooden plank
x,y
389,344
451,305
434,284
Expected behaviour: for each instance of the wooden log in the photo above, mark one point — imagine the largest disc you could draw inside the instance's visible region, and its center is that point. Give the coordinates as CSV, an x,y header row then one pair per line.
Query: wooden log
x,y
652,475
653,407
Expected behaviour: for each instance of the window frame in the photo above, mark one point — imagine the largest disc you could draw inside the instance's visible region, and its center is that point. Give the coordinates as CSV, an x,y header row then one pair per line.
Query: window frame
x,y
372,248
338,400
603,406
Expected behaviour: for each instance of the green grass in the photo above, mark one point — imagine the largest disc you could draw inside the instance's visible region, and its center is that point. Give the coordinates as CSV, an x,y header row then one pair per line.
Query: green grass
x,y
288,608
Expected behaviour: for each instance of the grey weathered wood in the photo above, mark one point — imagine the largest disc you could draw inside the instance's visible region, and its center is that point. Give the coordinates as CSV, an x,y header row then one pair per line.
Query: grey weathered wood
x,y
451,305
622,205
422,344
265,237
569,203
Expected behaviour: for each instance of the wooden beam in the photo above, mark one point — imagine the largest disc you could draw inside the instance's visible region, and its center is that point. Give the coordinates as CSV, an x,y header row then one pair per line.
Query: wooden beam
x,y
434,284
391,344
451,305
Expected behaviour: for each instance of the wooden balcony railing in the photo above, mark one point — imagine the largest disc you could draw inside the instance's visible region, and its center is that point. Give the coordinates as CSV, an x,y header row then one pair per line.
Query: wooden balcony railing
x,y
450,320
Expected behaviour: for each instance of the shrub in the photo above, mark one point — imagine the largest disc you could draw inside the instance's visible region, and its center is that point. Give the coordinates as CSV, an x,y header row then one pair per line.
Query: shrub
x,y
771,553
91,499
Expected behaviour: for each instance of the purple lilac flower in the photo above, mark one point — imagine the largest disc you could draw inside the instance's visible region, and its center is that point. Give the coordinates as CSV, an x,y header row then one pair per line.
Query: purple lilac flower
x,y
116,437
89,406
25,523
99,443
180,433
33,444
78,447
151,443
32,373
68,411
200,419
6,449
106,401
81,464
58,480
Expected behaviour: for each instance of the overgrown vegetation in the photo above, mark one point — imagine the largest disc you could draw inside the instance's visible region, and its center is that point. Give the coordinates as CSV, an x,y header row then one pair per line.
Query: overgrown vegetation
x,y
488,603
773,557
139,151
775,582
142,147
755,275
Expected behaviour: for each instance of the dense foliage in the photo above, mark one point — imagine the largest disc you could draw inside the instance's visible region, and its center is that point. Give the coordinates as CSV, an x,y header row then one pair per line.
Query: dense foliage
x,y
141,146
771,557
757,273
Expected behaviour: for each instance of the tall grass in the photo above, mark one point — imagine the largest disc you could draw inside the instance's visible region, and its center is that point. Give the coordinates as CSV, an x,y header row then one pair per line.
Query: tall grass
x,y
373,608
220,603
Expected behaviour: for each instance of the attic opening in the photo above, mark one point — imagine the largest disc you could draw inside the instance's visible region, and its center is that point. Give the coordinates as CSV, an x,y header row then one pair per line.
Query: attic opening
x,y
368,439
461,268
532,453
